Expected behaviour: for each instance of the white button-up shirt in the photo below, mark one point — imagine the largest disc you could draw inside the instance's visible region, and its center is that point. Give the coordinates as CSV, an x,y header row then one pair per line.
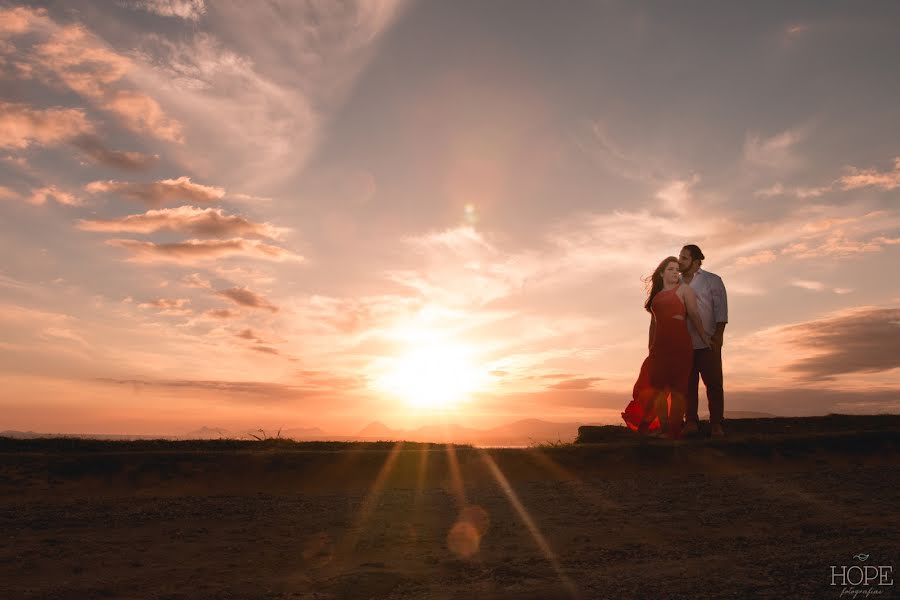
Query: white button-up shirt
x,y
712,304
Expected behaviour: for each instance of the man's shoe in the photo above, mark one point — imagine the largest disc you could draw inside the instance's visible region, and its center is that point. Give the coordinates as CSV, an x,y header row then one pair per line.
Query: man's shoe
x,y
717,431
690,428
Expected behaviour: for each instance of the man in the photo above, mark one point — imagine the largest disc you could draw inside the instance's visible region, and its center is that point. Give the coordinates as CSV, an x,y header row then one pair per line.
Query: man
x,y
712,304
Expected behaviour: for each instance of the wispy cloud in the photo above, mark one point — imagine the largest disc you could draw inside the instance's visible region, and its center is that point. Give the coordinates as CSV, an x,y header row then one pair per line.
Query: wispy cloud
x,y
207,222
247,334
257,389
675,195
93,147
579,383
759,258
245,297
800,192
249,108
813,286
159,192
859,178
859,340
63,333
168,306
615,157
195,280
190,10
192,251
776,151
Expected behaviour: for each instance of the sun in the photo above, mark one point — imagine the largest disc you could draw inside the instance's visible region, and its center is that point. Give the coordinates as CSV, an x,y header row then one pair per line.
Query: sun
x,y
432,376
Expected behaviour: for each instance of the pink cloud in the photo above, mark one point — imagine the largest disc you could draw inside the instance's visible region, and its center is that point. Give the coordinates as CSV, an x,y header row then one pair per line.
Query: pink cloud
x,y
220,313
40,196
211,222
22,126
159,192
192,251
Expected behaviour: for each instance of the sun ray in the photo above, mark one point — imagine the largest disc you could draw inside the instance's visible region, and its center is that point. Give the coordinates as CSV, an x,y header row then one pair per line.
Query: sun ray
x,y
572,481
371,500
459,488
529,523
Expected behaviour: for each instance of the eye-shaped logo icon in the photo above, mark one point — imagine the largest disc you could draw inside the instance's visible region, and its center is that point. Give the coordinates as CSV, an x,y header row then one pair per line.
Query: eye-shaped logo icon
x,y
861,557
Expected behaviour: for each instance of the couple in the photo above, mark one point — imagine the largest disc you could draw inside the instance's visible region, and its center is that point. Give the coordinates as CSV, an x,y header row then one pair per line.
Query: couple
x,y
688,312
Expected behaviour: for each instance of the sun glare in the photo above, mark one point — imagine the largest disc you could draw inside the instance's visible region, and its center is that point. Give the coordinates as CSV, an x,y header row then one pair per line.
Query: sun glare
x,y
432,377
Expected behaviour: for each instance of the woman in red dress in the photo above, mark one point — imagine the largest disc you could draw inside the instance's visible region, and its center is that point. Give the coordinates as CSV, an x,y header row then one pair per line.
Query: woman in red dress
x,y
659,393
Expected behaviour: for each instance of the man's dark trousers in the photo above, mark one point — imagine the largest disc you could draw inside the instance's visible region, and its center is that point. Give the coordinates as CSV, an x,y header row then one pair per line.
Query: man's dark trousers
x,y
708,365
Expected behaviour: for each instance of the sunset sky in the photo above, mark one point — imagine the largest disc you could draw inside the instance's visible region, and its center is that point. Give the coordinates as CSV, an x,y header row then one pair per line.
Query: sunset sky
x,y
284,213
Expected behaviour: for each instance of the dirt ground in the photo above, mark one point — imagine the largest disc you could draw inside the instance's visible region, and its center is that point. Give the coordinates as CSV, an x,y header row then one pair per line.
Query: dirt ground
x,y
698,519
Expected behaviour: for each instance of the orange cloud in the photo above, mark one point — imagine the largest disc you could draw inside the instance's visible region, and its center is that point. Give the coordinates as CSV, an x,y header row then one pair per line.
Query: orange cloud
x,y
838,245
760,258
859,178
80,61
245,297
220,313
40,196
159,192
192,251
77,59
19,20
211,222
169,306
22,126
142,113
803,193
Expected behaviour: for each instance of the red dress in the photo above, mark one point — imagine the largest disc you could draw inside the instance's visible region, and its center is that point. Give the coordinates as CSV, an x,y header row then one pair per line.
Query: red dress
x,y
666,369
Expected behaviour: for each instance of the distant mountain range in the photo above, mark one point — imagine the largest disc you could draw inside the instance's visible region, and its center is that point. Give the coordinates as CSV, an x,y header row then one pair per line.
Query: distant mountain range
x,y
519,433
524,432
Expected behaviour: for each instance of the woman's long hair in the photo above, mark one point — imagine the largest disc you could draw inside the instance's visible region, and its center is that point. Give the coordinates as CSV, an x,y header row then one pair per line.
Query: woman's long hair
x,y
654,283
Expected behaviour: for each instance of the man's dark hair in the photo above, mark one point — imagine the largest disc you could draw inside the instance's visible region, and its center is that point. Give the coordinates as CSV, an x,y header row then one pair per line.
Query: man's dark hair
x,y
696,254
